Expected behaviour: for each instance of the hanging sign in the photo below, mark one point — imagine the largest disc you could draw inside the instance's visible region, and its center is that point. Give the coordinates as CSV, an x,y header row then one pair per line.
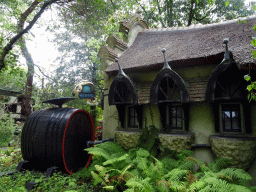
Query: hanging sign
x,y
87,92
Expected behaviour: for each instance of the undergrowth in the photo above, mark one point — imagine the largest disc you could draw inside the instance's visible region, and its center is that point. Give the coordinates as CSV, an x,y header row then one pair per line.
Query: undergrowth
x,y
9,160
7,127
114,169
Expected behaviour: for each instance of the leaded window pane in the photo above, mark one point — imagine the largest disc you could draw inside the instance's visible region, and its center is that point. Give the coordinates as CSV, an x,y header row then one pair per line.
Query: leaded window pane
x,y
175,118
231,120
132,118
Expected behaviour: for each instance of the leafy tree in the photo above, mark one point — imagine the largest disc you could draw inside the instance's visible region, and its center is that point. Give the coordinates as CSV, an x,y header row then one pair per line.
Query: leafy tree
x,y
168,13
13,77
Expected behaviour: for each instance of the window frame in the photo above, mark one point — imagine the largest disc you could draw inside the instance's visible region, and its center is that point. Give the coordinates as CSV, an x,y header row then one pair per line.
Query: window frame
x,y
127,118
241,121
168,118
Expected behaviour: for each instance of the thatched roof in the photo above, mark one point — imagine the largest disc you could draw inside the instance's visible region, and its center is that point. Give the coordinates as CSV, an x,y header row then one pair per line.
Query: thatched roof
x,y
188,45
10,92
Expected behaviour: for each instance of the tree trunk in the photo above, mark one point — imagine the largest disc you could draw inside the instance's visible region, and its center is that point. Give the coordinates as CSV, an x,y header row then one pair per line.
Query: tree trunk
x,y
21,31
160,13
191,12
29,60
169,9
29,83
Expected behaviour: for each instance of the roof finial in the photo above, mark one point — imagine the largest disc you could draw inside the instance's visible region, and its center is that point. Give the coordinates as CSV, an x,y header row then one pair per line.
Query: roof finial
x,y
166,65
121,72
226,55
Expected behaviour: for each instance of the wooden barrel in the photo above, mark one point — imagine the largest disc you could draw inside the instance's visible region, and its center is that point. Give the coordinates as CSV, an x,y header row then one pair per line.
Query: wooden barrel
x,y
58,137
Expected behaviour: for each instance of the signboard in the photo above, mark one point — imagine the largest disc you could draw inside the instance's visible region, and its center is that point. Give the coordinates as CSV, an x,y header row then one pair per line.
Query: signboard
x,y
87,92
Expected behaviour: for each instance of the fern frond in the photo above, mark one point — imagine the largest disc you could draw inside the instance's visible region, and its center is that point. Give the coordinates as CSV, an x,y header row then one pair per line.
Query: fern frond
x,y
196,186
97,178
125,172
116,160
236,174
142,164
159,165
187,165
219,164
111,147
169,164
154,173
218,183
199,163
163,186
135,183
239,188
102,170
142,153
205,169
109,188
178,186
176,175
132,153
140,184
98,152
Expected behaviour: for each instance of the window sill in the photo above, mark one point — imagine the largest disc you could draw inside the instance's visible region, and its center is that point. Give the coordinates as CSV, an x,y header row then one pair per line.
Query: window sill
x,y
177,132
234,136
129,130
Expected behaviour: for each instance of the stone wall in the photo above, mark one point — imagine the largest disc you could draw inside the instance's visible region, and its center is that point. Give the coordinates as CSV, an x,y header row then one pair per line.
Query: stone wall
x,y
126,139
240,150
176,142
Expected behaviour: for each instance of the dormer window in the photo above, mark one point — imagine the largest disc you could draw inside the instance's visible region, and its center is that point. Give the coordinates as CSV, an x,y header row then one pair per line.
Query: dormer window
x,y
168,90
226,91
122,94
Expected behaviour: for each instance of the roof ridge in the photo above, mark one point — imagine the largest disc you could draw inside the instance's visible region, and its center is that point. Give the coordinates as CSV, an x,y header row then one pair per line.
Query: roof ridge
x,y
200,26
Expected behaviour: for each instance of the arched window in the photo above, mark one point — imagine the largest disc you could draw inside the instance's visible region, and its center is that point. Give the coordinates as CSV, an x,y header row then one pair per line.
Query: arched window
x,y
122,91
226,91
170,93
168,90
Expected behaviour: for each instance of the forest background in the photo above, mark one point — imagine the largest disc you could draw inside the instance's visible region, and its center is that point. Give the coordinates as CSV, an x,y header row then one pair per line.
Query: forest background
x,y
78,29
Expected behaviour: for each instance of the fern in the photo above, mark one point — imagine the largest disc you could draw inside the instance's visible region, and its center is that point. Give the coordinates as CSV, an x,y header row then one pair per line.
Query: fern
x,y
98,152
97,179
102,171
163,185
169,164
138,170
187,165
236,174
176,175
239,188
139,184
116,160
142,153
196,186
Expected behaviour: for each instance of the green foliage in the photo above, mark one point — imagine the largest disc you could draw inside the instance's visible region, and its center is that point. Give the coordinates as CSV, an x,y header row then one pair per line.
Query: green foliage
x,y
7,127
138,170
9,159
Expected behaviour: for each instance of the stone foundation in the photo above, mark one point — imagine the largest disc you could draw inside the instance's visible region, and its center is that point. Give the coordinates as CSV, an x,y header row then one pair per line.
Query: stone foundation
x,y
126,139
240,150
176,142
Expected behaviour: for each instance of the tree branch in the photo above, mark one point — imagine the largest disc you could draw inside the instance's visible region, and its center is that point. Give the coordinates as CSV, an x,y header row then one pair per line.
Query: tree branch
x,y
43,72
13,40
